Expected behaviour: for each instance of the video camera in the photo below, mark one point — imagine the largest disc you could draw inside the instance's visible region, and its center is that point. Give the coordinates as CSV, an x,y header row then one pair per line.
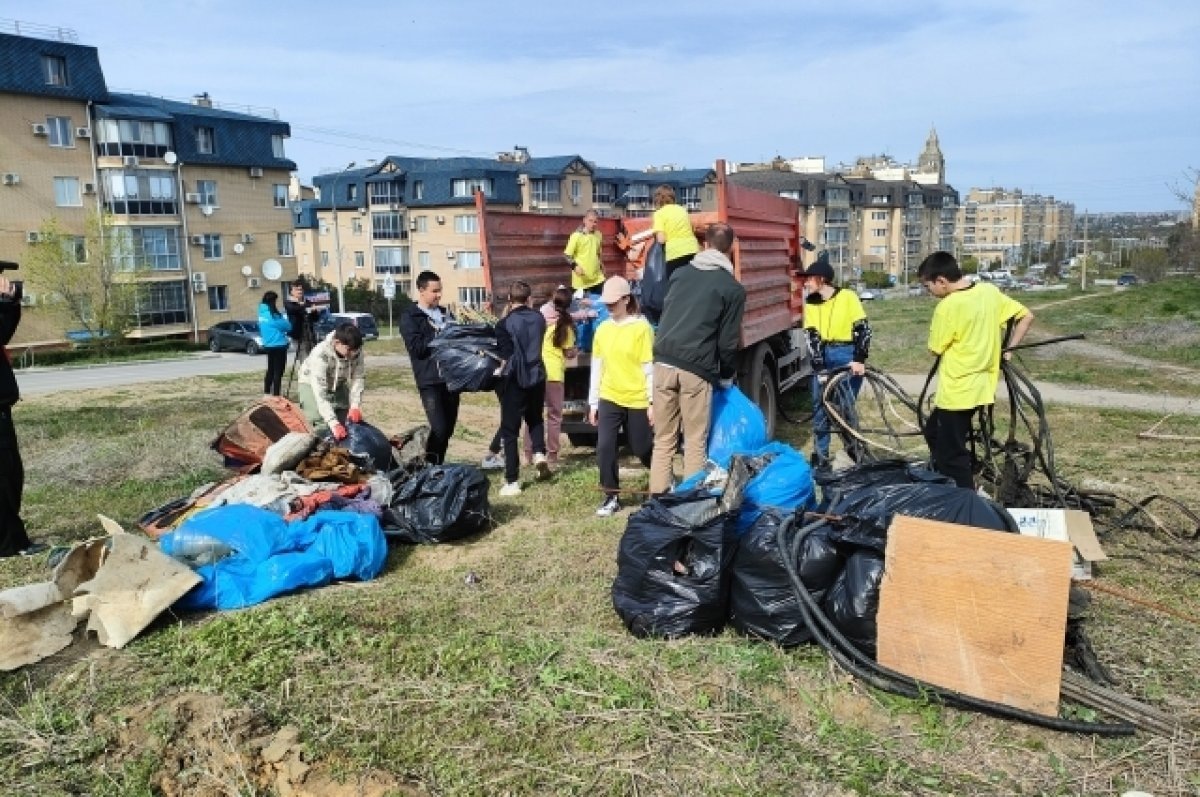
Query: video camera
x,y
18,287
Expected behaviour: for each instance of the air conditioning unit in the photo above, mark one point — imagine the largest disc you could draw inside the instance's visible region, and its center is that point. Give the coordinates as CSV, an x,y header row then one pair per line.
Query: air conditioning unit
x,y
412,224
129,160
522,179
83,132
12,178
193,199
89,188
362,211
256,171
441,219
33,237
40,129
574,200
197,240
253,282
198,286
451,254
199,276
246,238
28,299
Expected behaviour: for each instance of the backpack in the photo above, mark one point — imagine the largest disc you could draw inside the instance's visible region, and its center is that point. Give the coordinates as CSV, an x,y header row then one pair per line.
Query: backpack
x,y
244,442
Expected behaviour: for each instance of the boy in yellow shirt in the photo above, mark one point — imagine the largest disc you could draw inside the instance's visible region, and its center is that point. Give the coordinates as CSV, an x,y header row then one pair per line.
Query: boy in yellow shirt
x,y
583,256
966,334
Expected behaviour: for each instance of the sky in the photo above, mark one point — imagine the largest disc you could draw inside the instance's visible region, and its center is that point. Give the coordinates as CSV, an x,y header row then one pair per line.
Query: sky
x,y
1096,103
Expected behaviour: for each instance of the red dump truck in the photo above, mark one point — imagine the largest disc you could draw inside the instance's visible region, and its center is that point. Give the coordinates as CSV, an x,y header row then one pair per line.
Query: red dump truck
x,y
774,355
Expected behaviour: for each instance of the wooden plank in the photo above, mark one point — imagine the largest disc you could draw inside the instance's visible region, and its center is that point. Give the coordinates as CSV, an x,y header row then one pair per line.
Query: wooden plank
x,y
980,612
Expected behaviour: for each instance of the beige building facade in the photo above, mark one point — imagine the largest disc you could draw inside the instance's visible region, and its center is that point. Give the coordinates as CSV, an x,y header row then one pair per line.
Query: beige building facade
x,y
1011,228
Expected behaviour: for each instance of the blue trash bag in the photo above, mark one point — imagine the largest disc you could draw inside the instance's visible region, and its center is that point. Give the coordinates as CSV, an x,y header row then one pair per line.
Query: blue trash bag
x,y
785,483
271,557
585,331
738,426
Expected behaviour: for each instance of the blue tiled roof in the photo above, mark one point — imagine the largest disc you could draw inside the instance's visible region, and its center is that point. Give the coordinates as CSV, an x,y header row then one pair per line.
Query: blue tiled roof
x,y
21,68
240,139
304,214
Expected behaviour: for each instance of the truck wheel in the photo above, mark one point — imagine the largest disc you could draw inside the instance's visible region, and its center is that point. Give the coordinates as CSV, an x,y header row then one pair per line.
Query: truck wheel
x,y
759,386
582,439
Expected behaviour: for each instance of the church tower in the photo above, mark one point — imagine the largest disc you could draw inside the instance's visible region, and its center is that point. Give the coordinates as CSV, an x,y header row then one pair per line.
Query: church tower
x,y
931,160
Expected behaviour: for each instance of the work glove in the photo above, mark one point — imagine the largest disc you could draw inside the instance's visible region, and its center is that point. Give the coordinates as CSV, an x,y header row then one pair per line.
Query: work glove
x,y
354,415
339,431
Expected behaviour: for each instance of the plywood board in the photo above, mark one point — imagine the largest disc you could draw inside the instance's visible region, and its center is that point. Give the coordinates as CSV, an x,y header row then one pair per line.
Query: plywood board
x,y
980,612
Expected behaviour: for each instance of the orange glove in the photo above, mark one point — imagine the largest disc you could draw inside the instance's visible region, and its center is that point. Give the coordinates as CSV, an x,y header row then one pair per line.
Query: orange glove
x,y
339,431
354,415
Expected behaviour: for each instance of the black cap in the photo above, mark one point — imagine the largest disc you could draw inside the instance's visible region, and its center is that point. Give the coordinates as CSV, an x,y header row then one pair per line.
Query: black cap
x,y
819,269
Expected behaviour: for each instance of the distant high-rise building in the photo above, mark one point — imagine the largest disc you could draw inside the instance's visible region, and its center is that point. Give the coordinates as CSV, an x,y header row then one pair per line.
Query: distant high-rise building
x,y
1011,227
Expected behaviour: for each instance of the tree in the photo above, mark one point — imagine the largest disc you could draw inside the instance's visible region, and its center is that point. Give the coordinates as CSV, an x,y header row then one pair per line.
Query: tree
x,y
970,265
1149,264
90,281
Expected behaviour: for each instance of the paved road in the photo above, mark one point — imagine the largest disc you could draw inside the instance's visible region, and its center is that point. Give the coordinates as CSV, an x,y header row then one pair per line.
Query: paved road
x,y
43,381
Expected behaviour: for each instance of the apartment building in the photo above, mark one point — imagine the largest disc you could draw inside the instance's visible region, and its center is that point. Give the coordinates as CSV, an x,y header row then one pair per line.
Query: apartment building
x,y
873,215
404,215
1011,227
195,193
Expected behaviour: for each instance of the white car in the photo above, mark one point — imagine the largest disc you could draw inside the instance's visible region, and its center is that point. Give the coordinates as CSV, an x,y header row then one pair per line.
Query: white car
x,y
869,294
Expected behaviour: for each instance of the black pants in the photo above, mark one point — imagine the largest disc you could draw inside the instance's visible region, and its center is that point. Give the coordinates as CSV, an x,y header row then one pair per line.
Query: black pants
x,y
947,433
13,538
441,410
678,262
276,365
609,420
516,405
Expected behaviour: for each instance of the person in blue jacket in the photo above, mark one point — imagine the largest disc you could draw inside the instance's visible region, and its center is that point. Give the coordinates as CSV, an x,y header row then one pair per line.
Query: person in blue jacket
x,y
273,327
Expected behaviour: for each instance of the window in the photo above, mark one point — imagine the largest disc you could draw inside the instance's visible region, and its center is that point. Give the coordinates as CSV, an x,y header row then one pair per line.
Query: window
x,y
154,248
206,143
132,137
467,186
352,192
277,146
323,227
218,298
544,192
280,195
418,189
639,193
603,193
879,215
837,195
284,244
59,131
576,191
148,192
879,233
404,287
161,303
75,248
388,226
879,199
792,194
689,197
54,70
66,192
356,225
422,224
360,260
472,296
324,259
423,261
466,224
391,260
207,189
468,260
212,246
389,193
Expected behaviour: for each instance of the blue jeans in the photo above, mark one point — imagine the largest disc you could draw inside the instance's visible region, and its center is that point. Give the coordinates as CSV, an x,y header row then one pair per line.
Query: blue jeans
x,y
835,357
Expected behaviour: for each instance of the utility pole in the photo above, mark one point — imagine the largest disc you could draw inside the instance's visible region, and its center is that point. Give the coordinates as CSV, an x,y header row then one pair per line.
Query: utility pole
x,y
1083,267
337,240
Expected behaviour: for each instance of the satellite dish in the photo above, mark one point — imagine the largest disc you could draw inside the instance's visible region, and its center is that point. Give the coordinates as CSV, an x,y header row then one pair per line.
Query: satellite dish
x,y
272,269
246,270
206,210
237,250
170,158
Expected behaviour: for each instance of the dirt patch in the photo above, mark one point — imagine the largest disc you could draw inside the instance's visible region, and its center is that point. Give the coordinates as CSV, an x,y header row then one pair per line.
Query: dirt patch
x,y
204,747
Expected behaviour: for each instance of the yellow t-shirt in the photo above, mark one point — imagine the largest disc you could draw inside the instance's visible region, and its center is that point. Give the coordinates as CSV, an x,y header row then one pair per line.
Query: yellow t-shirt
x,y
834,318
966,332
584,249
675,225
554,357
625,348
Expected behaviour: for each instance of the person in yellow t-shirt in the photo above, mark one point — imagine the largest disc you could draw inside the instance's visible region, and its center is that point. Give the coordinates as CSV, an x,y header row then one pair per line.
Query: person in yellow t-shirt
x,y
673,229
622,387
966,334
583,255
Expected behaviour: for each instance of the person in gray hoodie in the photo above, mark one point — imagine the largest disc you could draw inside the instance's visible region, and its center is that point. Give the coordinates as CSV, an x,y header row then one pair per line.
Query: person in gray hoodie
x,y
695,347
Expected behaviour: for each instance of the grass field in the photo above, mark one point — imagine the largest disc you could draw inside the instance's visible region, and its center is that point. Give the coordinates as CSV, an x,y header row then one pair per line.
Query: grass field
x,y
524,681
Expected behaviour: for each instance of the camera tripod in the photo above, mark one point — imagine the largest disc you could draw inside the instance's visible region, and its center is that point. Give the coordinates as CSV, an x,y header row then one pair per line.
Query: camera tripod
x,y
304,345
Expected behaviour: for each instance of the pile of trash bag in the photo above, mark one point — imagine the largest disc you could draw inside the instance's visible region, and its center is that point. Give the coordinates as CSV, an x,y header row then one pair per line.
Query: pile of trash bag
x,y
467,357
440,503
737,426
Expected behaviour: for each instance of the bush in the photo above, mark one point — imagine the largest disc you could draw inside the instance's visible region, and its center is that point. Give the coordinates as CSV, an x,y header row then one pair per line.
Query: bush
x,y
127,351
876,279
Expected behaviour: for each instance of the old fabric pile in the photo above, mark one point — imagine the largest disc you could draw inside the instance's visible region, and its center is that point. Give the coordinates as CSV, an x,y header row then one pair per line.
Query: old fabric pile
x,y
466,356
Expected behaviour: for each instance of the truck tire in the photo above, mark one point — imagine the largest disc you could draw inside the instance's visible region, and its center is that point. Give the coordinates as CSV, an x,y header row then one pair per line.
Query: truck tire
x,y
759,385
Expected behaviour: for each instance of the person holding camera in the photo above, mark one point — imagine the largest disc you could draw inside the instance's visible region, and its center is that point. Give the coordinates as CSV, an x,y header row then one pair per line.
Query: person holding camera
x,y
299,313
14,541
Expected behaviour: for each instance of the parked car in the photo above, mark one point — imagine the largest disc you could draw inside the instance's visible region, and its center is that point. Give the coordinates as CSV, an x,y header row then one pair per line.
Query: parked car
x,y
1125,280
364,321
869,294
235,335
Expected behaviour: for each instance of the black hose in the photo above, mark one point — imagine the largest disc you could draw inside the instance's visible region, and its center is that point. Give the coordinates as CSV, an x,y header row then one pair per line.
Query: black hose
x,y
850,658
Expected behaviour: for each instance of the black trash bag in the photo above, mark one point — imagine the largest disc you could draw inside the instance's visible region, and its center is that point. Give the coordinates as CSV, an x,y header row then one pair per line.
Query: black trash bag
x,y
439,503
853,601
869,510
762,601
673,566
467,357
370,444
654,283
875,474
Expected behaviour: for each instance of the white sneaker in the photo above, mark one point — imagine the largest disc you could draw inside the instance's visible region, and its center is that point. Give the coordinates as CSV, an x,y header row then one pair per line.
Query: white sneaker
x,y
609,508
511,489
543,466
492,462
